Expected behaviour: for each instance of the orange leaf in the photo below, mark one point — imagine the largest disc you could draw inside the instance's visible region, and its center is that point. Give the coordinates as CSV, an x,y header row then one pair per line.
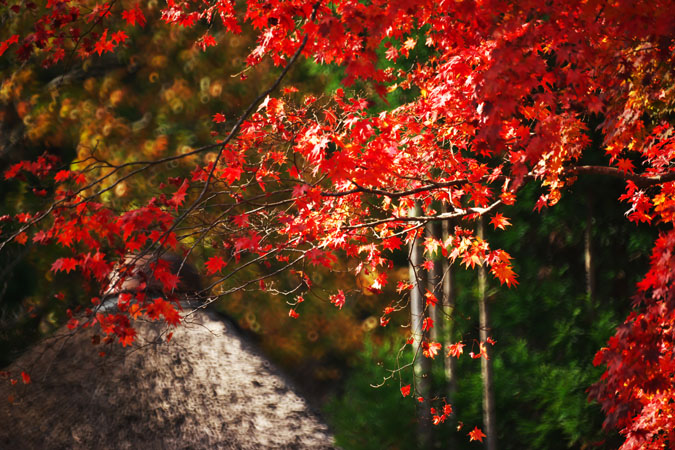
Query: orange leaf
x,y
476,435
456,349
21,238
505,274
430,350
499,221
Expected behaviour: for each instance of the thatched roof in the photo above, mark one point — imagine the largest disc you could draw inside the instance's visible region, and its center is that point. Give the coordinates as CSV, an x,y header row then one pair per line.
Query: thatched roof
x,y
207,388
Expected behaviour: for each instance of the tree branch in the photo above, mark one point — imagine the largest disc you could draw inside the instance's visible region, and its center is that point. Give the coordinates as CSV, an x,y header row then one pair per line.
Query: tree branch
x,y
639,179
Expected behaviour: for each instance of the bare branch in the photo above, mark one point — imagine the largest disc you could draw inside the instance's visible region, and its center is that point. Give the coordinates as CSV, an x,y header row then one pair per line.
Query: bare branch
x,y
640,180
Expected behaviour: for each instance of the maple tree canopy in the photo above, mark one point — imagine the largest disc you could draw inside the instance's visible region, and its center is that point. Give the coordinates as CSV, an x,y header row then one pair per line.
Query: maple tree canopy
x,y
508,93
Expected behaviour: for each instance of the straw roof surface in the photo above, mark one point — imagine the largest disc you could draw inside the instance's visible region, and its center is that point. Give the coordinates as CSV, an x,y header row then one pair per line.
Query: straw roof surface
x,y
207,388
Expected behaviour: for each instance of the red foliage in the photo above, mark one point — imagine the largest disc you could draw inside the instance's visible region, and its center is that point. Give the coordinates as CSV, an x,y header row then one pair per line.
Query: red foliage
x,y
476,435
214,264
504,99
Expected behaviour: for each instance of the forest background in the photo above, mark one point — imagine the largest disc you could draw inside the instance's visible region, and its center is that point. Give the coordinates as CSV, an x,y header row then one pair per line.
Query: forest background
x,y
578,263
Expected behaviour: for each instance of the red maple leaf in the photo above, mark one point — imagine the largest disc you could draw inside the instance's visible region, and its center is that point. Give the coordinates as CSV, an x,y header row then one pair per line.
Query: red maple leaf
x,y
504,274
437,420
13,170
103,44
171,315
178,197
126,336
625,165
62,175
206,41
72,323
392,243
456,349
168,279
431,298
241,220
499,221
5,44
379,283
214,264
542,202
231,174
64,265
134,16
427,324
476,435
119,36
21,238
403,286
431,349
338,299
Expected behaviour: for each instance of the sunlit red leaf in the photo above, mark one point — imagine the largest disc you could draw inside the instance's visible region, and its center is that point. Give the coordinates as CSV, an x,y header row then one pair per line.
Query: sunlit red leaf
x,y
476,435
338,299
499,221
214,264
427,324
431,349
456,349
430,298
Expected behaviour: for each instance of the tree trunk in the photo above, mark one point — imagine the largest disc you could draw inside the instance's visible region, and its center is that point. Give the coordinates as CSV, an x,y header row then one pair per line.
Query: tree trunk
x,y
489,420
421,364
589,262
435,285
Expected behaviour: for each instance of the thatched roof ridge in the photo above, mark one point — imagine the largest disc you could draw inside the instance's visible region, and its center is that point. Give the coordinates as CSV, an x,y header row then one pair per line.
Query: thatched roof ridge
x,y
208,388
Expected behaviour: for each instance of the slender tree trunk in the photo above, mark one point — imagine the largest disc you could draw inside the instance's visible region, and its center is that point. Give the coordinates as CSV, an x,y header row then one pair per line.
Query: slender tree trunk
x,y
489,419
421,364
447,317
589,260
448,326
435,285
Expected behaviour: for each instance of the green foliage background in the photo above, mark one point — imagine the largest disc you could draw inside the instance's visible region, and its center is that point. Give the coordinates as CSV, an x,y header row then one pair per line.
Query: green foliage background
x,y
547,332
